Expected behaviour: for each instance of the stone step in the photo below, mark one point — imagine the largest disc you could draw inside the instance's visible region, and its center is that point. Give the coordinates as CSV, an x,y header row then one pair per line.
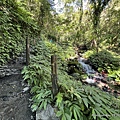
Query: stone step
x,y
6,71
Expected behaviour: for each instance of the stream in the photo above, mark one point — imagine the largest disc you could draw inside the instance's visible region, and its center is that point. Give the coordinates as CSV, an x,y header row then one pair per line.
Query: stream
x,y
95,78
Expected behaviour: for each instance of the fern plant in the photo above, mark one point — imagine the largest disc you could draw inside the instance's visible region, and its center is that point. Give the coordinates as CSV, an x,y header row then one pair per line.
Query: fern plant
x,y
41,98
74,100
14,20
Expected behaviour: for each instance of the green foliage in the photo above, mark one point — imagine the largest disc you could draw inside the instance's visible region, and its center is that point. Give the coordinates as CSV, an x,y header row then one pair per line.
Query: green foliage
x,y
80,101
115,74
38,76
104,60
13,23
88,53
41,98
110,27
74,101
38,72
64,49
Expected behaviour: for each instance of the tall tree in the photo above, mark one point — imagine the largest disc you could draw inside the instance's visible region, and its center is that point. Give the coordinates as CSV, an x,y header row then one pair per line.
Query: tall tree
x,y
96,8
110,25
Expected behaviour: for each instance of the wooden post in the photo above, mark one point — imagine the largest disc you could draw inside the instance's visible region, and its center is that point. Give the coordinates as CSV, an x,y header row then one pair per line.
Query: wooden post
x,y
54,75
27,51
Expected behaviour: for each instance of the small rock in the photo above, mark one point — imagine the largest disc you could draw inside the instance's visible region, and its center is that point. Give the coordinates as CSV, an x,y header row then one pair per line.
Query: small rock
x,y
32,117
13,70
25,89
8,74
47,114
8,70
5,98
2,75
4,67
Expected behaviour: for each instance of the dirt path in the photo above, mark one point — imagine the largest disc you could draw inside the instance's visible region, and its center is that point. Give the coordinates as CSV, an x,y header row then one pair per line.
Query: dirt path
x,y
14,101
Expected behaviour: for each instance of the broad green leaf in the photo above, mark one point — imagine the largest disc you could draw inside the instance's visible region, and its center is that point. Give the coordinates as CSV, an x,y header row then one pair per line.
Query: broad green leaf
x,y
39,96
90,98
63,117
85,101
93,114
34,107
77,95
45,104
41,105
26,77
34,89
59,113
59,98
68,117
75,115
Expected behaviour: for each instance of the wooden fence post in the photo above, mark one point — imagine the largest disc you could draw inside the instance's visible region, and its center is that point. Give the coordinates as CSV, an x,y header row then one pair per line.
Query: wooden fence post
x,y
27,51
54,75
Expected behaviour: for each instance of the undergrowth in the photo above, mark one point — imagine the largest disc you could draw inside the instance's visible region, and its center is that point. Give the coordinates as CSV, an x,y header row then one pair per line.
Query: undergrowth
x,y
16,24
74,101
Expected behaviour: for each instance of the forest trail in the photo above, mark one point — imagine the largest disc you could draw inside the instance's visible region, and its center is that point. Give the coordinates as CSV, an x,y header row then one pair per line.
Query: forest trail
x,y
14,93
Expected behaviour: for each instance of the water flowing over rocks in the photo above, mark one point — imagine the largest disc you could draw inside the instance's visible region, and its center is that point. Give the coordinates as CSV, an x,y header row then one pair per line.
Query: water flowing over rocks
x,y
86,67
95,78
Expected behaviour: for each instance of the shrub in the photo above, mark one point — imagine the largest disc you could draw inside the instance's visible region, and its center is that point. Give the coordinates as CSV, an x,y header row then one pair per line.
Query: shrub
x,y
74,101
